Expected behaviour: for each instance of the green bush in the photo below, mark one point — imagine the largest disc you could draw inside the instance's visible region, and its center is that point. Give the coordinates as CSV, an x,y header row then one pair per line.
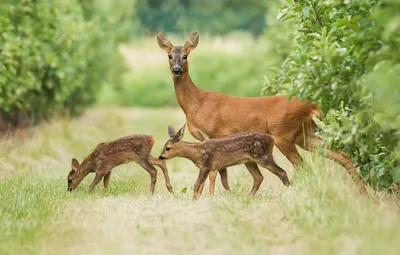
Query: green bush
x,y
346,56
56,54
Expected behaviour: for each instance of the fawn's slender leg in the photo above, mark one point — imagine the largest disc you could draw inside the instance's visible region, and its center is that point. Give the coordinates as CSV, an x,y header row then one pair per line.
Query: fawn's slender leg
x,y
200,180
224,179
257,176
212,176
96,180
106,180
268,162
153,174
162,165
201,188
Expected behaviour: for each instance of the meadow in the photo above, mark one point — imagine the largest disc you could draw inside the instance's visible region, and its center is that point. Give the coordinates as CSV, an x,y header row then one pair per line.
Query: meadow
x,y
323,213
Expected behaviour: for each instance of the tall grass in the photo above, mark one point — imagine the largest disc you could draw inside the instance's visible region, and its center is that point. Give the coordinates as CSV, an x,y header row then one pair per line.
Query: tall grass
x,y
322,214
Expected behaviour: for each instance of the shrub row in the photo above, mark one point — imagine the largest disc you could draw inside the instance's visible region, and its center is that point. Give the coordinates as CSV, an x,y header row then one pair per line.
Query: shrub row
x,y
346,55
55,55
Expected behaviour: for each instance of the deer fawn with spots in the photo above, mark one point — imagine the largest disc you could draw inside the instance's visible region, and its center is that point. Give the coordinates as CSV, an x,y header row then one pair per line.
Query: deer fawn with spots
x,y
106,156
212,114
211,155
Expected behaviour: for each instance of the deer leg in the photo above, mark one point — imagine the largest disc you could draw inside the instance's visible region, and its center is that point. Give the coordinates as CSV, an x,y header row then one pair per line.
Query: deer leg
x,y
212,176
268,162
200,180
290,152
312,143
153,174
96,180
224,179
106,180
162,165
201,188
257,176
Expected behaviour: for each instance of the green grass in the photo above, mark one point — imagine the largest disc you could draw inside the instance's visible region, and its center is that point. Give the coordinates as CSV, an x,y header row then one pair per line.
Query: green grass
x,y
218,64
322,214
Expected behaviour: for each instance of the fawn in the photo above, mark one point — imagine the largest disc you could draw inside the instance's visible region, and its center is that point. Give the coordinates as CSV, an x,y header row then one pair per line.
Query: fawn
x,y
214,154
106,156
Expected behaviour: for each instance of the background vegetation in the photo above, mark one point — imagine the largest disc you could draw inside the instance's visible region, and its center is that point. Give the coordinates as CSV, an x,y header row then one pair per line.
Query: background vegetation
x,y
346,56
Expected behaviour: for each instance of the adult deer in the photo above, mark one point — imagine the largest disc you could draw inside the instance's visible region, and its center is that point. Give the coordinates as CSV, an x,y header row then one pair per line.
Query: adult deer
x,y
212,114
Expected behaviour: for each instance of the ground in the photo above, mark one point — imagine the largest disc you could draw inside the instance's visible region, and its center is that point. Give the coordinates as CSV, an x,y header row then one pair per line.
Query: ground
x,y
322,214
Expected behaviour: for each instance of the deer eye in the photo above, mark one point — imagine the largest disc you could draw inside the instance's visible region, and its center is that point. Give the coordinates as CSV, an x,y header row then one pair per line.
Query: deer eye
x,y
169,56
168,148
184,56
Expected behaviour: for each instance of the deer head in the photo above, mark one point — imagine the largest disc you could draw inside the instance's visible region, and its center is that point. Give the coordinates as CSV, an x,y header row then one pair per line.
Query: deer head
x,y
178,54
75,176
172,147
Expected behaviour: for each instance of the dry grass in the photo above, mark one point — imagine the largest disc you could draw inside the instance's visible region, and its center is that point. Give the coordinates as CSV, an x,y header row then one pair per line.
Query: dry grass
x,y
321,214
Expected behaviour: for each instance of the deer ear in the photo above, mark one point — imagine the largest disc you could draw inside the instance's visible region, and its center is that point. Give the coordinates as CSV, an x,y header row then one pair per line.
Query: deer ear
x,y
191,42
180,133
163,42
171,131
75,165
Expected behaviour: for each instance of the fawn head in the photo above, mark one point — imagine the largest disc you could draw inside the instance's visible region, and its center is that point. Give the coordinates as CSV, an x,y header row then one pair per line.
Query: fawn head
x,y
74,176
172,146
178,54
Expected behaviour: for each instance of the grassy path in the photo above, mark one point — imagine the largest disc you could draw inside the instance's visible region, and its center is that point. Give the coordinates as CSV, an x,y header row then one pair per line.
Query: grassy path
x,y
321,214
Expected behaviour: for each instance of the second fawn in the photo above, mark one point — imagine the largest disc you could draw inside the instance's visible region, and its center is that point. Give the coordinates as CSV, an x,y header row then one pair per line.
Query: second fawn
x,y
106,156
218,153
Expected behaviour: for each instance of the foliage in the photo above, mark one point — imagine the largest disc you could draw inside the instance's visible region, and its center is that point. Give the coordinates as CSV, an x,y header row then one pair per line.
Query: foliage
x,y
56,54
214,17
346,56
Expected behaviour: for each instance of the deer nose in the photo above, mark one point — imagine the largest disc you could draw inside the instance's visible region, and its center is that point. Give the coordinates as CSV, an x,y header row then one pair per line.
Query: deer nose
x,y
176,70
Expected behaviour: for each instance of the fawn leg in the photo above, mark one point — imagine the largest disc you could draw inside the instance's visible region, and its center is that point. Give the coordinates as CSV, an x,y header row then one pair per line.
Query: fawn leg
x,y
212,176
201,188
224,179
106,180
257,176
200,180
268,162
96,180
161,164
153,174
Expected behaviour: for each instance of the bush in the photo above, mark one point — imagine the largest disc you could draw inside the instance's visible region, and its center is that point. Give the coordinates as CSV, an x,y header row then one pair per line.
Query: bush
x,y
346,56
55,54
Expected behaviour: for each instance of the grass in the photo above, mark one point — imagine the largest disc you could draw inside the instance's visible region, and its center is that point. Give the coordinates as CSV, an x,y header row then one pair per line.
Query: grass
x,y
322,214
234,67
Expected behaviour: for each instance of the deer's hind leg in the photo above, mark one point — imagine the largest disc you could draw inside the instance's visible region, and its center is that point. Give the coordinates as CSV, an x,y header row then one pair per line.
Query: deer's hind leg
x,y
152,171
200,180
257,176
312,143
268,162
161,164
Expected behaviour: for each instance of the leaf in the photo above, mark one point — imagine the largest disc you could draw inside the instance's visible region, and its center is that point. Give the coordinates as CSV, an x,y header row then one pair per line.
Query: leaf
x,y
184,190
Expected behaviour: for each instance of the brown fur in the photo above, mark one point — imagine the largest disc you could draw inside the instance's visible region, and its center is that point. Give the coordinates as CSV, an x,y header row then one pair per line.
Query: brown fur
x,y
212,114
218,153
106,156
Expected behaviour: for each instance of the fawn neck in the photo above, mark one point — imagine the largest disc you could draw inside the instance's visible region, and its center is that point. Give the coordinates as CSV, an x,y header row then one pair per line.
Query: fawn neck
x,y
188,95
189,150
85,168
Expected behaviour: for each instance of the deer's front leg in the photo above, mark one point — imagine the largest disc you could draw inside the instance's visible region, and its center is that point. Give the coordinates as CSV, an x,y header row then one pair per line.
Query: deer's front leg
x,y
106,180
96,180
200,180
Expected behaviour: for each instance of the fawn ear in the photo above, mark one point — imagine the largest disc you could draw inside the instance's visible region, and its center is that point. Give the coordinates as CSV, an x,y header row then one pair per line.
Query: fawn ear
x,y
191,42
180,133
171,131
163,42
74,165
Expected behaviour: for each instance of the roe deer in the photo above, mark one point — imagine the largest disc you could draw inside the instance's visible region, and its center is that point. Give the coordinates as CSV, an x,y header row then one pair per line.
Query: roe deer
x,y
106,156
218,153
212,114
